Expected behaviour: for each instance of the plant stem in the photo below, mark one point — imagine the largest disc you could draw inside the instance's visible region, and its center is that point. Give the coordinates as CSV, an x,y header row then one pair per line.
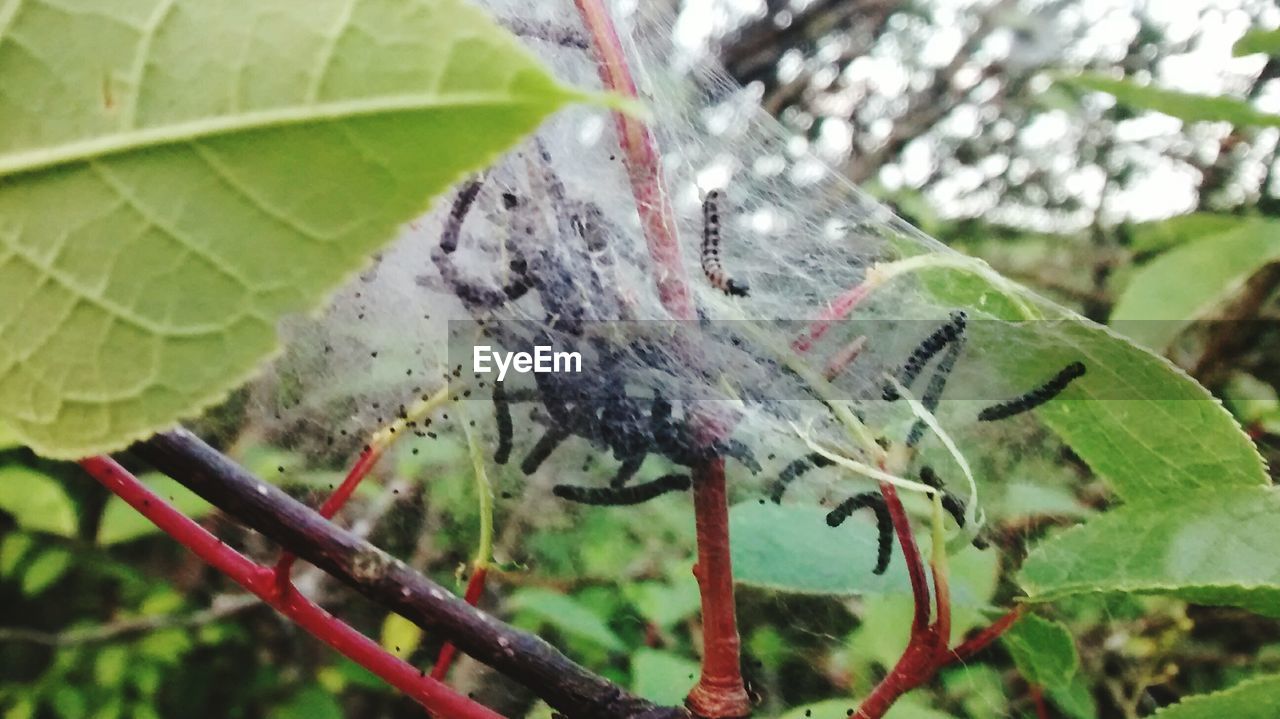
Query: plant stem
x,y
484,552
644,165
525,658
434,696
720,691
928,648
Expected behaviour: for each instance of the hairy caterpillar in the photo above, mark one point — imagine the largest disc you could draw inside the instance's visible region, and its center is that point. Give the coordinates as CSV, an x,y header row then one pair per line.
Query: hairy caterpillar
x,y
952,504
930,346
794,471
502,416
884,523
1035,397
711,265
623,496
937,384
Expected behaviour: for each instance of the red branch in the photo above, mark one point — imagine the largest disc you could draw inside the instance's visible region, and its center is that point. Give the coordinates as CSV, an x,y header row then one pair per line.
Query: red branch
x,y
720,693
475,588
363,466
644,164
928,649
434,696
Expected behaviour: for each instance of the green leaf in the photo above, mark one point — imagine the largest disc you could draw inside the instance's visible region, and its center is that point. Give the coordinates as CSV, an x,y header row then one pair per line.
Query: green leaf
x,y
47,568
905,708
665,604
310,703
1182,105
1191,281
662,677
1076,699
36,501
1257,698
400,636
1043,650
187,172
1254,41
122,523
1146,427
791,548
1164,234
567,615
8,438
1216,546
13,548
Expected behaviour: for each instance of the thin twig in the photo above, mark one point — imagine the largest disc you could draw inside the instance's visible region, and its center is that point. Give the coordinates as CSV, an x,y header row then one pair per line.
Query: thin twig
x,y
525,658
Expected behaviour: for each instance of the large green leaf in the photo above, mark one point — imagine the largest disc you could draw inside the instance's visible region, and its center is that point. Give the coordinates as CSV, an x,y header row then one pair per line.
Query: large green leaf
x,y
1137,420
1254,41
791,548
177,174
1216,546
1254,699
1182,105
1191,281
36,501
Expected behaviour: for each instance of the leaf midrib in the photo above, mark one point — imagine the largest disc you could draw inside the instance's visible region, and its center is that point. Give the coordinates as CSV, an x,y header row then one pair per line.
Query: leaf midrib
x,y
119,143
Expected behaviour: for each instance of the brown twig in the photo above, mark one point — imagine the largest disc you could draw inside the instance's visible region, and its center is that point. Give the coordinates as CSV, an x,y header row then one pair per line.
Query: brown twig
x,y
527,659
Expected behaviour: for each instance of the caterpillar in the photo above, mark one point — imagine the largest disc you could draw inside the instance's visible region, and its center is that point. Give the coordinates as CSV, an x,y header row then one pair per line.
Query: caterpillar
x,y
1035,397
937,385
502,417
623,496
951,503
461,206
884,523
542,449
930,346
793,471
711,265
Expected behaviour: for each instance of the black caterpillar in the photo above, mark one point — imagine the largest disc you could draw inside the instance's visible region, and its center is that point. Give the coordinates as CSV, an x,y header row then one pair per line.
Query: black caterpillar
x,y
930,346
884,523
623,496
1035,397
794,471
711,265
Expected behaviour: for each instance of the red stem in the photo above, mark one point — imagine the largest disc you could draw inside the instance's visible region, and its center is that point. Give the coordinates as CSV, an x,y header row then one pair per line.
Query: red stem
x,y
475,588
1037,697
927,651
434,696
720,691
837,310
363,466
644,165
911,553
984,638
